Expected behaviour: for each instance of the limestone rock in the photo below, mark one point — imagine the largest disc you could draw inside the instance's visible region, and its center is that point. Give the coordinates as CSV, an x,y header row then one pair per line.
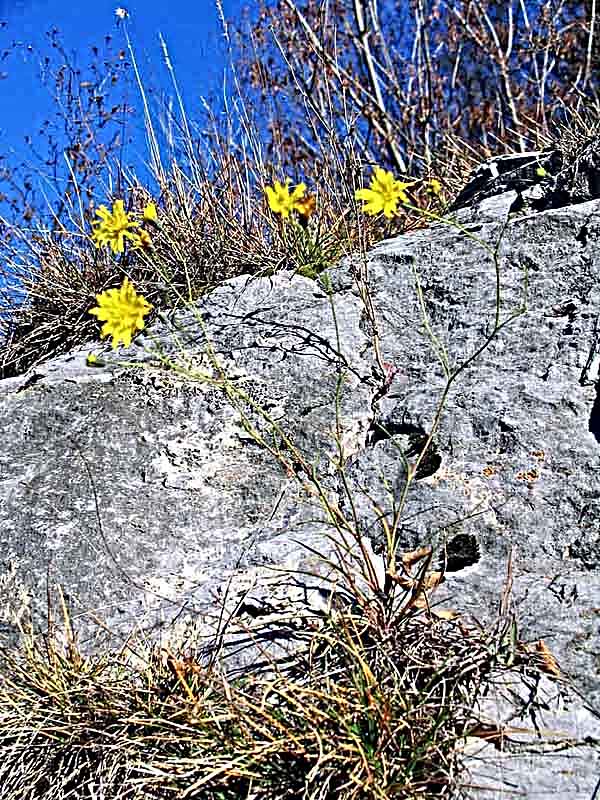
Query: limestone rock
x,y
566,174
142,492
144,495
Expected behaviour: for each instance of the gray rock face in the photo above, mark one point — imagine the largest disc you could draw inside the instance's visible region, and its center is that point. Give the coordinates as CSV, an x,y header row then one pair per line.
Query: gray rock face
x,y
144,495
565,175
516,172
142,492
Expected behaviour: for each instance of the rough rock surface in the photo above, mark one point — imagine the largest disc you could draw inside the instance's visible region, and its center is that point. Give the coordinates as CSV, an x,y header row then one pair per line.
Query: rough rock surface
x,y
143,494
567,174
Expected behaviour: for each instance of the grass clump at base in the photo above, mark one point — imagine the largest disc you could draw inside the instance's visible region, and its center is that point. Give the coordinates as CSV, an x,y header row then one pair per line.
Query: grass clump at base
x,y
377,706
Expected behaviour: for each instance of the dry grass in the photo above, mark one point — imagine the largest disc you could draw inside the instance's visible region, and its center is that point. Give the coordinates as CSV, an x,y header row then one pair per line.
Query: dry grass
x,y
214,224
376,706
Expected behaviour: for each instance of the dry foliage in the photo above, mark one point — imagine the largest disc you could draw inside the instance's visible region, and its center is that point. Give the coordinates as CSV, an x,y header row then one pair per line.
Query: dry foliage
x,y
339,88
375,706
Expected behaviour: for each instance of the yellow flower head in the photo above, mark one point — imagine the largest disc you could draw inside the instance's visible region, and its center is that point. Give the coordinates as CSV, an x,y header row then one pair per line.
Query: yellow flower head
x,y
92,360
150,214
280,199
434,186
122,311
383,194
113,227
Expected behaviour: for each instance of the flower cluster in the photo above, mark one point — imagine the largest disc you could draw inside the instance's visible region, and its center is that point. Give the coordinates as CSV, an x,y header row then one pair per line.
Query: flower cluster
x,y
383,195
123,311
115,226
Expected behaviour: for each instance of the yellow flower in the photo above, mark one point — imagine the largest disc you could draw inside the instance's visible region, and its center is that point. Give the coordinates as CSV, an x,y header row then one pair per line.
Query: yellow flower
x,y
92,360
280,199
434,186
122,311
150,214
112,228
383,194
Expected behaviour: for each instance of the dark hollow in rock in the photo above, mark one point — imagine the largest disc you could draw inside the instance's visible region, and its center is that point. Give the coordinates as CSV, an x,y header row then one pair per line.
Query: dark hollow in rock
x,y
460,552
594,423
413,439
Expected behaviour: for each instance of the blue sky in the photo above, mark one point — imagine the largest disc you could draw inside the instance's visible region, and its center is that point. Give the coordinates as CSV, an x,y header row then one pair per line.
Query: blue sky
x,y
191,29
